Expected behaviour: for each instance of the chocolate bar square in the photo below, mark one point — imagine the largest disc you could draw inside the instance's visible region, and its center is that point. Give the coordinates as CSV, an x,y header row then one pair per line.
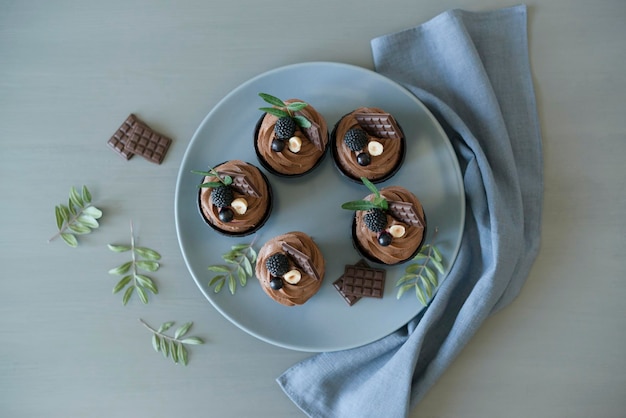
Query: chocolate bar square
x,y
149,144
363,281
118,141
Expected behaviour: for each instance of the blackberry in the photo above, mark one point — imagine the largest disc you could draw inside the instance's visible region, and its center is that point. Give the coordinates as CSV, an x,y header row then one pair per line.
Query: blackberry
x,y
277,264
222,196
285,127
355,139
375,220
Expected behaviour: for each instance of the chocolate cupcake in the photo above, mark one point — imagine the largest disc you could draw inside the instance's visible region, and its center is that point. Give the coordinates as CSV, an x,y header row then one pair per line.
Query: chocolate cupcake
x,y
235,198
291,137
290,268
368,142
389,226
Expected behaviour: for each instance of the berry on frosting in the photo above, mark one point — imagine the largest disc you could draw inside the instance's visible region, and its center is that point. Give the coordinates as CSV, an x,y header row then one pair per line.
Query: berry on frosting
x,y
375,220
277,264
355,139
222,196
363,159
285,127
278,144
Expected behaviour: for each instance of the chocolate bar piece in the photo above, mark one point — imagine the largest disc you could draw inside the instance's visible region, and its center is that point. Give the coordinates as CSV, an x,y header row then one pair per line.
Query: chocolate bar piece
x,y
405,212
241,184
363,281
118,141
302,260
313,134
338,284
381,125
149,144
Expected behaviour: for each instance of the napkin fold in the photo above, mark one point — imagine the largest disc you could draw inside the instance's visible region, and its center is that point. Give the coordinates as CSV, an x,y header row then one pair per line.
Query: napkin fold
x,y
471,69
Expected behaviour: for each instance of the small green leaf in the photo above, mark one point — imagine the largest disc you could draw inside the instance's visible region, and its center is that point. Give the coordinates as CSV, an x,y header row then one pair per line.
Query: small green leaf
x,y
413,268
174,351
87,221
241,273
359,205
122,283
273,100
232,284
427,287
404,279
142,294
372,188
145,281
86,195
118,248
147,253
156,343
247,265
165,326
239,247
211,184
93,211
79,229
165,348
121,269
75,197
296,106
193,341
302,122
182,354
128,294
219,269
182,330
71,207
59,217
147,265
420,295
276,112
219,286
252,255
69,239
420,257
403,289
65,212
216,279
438,265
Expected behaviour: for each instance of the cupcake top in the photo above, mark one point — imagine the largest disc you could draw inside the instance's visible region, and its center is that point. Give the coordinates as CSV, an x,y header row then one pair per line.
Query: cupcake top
x,y
301,149
247,198
395,234
368,143
290,268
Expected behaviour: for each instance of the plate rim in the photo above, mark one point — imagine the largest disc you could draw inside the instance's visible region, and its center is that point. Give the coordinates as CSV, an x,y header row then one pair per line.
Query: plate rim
x,y
290,67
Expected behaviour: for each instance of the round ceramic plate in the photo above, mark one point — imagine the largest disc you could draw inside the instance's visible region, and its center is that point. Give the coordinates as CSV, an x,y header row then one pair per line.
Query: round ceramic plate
x,y
312,204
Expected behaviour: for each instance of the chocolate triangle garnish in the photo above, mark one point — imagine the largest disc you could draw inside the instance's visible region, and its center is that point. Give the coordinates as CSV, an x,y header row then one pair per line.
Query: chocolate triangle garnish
x,y
381,125
313,133
405,212
302,260
240,183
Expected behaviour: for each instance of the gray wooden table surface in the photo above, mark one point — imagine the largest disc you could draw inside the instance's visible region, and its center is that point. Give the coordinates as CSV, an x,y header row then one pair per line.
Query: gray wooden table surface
x,y
71,71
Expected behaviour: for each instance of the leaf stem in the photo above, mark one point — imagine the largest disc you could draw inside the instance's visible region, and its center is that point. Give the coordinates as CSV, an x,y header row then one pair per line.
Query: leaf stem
x,y
132,253
160,334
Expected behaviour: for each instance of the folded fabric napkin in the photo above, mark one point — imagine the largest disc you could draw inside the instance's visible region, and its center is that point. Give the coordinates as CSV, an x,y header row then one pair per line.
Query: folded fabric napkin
x,y
471,69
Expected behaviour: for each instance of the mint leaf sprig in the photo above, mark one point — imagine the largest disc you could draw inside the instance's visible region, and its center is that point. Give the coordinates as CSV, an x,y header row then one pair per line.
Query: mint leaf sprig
x,y
135,281
281,109
172,346
222,181
421,276
378,201
78,217
240,267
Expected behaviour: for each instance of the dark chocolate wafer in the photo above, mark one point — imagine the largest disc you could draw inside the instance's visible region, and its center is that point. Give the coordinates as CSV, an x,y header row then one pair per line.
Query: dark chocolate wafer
x,y
313,133
149,144
302,260
405,212
363,281
241,183
338,284
118,141
381,125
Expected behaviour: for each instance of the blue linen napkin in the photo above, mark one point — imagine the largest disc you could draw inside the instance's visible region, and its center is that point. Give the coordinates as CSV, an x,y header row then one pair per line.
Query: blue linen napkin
x,y
471,69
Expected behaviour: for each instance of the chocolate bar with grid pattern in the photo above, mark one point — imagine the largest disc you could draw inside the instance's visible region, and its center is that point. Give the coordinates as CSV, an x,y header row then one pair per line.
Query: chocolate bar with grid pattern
x,y
381,125
149,144
118,141
363,281
338,284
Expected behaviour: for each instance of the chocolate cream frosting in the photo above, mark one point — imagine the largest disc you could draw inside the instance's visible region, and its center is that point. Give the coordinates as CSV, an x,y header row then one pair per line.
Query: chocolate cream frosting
x,y
287,162
291,294
400,249
381,165
258,207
